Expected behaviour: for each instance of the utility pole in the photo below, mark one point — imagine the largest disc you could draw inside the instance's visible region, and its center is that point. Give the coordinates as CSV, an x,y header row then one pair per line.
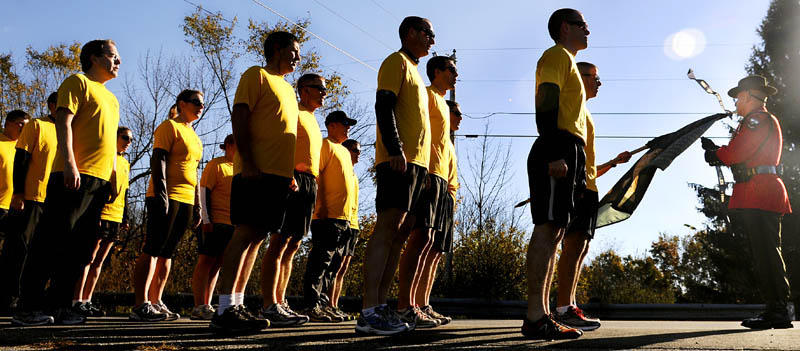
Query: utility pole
x,y
453,91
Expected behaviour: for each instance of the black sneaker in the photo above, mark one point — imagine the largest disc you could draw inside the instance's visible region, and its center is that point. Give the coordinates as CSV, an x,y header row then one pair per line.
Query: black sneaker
x,y
68,316
278,317
161,307
575,318
32,318
94,310
235,320
82,309
317,314
331,312
769,320
146,312
303,318
547,328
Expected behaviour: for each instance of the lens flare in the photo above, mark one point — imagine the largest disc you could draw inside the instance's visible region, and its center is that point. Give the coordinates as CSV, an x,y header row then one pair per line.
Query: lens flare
x,y
684,44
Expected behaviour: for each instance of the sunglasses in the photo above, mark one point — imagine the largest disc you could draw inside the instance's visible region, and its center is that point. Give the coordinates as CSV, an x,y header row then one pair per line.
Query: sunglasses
x,y
452,69
195,102
581,24
321,88
127,138
355,151
457,113
427,31
596,77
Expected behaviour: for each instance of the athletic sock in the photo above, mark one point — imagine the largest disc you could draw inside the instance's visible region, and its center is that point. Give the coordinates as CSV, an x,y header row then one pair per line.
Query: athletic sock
x,y
225,301
562,309
238,298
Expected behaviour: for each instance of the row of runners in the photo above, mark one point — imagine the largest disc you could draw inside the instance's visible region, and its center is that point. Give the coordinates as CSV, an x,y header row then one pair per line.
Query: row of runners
x,y
278,179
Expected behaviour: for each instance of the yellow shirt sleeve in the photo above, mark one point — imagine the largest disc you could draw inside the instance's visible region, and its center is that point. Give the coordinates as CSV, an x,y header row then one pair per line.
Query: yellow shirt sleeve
x,y
440,133
217,177
589,149
7,151
209,178
557,66
115,211
309,142
335,187
452,179
38,139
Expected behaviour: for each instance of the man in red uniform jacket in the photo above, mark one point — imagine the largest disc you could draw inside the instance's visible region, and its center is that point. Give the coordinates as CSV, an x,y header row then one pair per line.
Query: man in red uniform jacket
x,y
759,197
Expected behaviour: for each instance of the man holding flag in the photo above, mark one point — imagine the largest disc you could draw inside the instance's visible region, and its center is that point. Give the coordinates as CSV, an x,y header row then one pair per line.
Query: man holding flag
x,y
759,198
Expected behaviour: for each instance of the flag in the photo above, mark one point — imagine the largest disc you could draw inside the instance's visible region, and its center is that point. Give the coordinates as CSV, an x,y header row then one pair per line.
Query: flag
x,y
623,198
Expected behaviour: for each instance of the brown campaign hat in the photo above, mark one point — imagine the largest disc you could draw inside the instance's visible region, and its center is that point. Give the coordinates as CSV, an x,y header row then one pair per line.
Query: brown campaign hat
x,y
754,82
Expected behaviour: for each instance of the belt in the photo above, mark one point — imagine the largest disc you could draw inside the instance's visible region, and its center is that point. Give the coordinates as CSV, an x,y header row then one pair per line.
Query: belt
x,y
744,174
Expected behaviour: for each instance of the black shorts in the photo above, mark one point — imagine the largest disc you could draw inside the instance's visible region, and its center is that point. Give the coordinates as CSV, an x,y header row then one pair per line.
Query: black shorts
x,y
165,227
554,199
429,207
22,224
398,190
443,239
108,230
585,214
300,206
260,202
213,244
351,241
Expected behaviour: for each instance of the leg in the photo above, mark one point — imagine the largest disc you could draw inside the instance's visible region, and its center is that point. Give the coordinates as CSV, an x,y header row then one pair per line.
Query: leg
x,y
287,262
393,260
573,301
541,253
324,237
249,261
270,267
428,276
96,268
163,267
142,277
336,291
420,271
410,265
82,279
203,279
237,261
569,264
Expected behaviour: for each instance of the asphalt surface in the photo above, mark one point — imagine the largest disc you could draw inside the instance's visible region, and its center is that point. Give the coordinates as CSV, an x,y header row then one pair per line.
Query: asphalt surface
x,y
117,333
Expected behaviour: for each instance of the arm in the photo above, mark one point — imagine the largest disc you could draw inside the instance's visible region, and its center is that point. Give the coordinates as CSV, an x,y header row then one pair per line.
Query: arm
x,y
205,201
22,160
623,157
385,102
197,209
753,132
547,98
158,169
72,178
125,215
240,122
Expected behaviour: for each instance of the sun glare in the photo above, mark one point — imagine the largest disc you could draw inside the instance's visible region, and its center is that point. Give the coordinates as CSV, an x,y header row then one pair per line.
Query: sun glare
x,y
684,44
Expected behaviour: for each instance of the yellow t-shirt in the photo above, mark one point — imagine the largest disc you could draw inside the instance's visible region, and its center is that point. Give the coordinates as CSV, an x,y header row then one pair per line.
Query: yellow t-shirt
x,y
354,206
557,66
38,138
398,74
94,127
452,178
591,167
273,121
335,183
114,211
309,142
184,151
7,152
440,133
217,177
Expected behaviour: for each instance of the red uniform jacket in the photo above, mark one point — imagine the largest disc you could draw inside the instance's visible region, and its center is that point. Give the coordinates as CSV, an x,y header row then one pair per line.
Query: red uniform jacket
x,y
757,142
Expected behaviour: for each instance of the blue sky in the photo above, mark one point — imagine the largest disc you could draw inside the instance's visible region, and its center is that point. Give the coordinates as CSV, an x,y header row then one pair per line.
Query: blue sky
x,y
498,44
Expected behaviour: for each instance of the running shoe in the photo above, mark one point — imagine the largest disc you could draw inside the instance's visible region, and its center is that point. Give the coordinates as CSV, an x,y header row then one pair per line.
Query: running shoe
x,y
279,317
68,316
317,314
335,317
236,320
202,312
32,318
383,321
94,310
82,309
547,328
416,319
575,318
146,312
436,315
171,316
303,318
769,320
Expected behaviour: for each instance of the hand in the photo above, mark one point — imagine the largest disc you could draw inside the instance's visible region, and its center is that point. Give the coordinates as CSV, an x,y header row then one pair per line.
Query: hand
x,y
398,163
293,186
712,159
707,144
208,227
197,217
623,157
72,177
250,171
18,202
557,169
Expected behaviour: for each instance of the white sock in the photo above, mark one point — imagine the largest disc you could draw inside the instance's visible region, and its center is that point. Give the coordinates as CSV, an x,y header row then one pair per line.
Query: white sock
x,y
562,309
225,301
238,298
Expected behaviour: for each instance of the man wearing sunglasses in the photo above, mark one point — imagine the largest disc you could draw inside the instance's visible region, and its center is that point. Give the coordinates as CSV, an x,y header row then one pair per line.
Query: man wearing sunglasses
x,y
402,152
556,165
86,127
441,71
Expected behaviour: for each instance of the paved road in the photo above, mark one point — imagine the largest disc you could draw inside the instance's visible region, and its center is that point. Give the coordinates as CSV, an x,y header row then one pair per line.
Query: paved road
x,y
116,333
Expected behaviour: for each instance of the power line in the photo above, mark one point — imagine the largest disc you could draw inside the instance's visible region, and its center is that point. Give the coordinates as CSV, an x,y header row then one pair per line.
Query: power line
x,y
603,80
385,10
353,24
490,114
591,47
315,36
472,136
